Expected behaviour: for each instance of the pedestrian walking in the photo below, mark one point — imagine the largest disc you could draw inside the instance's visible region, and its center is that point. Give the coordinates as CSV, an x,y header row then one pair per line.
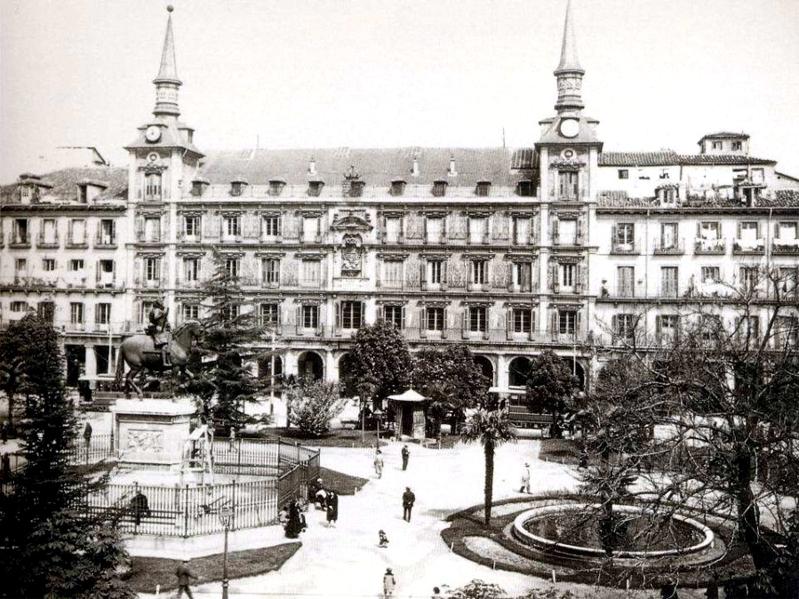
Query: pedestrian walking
x,y
525,488
408,499
389,583
406,453
87,433
184,574
332,508
379,463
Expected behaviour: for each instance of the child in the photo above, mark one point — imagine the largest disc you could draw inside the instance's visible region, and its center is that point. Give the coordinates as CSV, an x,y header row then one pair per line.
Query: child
x,y
383,538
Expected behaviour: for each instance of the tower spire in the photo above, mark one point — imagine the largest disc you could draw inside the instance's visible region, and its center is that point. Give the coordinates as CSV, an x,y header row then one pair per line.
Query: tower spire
x,y
569,73
167,82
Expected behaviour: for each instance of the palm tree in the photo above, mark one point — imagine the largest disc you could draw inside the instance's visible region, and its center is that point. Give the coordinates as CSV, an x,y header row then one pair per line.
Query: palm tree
x,y
490,426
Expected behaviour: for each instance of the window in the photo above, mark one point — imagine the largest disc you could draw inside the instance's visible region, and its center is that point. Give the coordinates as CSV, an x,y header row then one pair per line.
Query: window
x,y
435,270
668,281
568,275
310,317
668,236
276,187
435,319
624,238
351,315
25,193
567,185
392,273
786,233
397,188
107,232
434,228
567,231
393,314
152,230
48,264
231,312
49,234
197,188
393,229
310,229
478,272
749,233
232,267
711,326
666,327
749,277
191,226
710,230
625,326
315,188
270,271
524,189
191,312
20,265
311,272
478,229
75,265
477,318
786,331
439,189
236,187
268,314
76,313
483,188
232,226
191,269
624,173
625,281
105,273
750,326
46,311
152,187
356,188
102,313
77,231
522,275
567,322
736,145
788,277
716,145
711,275
522,320
19,306
271,226
152,269
21,231
521,230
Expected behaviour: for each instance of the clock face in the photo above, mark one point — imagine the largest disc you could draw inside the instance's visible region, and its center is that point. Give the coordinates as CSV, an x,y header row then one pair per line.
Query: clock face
x,y
569,127
153,133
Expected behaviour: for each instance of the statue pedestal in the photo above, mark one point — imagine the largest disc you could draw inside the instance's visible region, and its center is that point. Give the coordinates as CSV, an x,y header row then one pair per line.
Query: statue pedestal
x,y
151,432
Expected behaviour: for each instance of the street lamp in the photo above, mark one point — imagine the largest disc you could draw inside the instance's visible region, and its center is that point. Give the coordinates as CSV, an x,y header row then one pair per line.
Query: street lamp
x,y
378,414
225,516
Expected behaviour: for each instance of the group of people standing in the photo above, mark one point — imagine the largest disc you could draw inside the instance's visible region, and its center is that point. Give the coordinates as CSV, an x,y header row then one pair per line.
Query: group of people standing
x,y
292,519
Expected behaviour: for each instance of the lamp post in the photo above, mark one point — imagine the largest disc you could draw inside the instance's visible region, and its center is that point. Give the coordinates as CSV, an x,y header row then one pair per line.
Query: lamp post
x,y
225,516
378,414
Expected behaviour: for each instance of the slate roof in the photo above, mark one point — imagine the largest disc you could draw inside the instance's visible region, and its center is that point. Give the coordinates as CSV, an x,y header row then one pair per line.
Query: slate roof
x,y
375,166
64,184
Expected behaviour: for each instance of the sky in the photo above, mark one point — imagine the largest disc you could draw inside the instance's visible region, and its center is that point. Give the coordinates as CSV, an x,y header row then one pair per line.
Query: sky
x,y
383,73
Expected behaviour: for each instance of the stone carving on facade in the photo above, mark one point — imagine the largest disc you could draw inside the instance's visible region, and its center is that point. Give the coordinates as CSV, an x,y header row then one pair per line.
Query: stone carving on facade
x,y
457,228
351,256
145,441
413,227
500,227
501,271
457,274
413,273
290,226
288,273
351,222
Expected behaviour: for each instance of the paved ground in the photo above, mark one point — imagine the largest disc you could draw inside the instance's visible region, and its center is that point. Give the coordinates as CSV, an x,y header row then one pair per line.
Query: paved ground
x,y
345,561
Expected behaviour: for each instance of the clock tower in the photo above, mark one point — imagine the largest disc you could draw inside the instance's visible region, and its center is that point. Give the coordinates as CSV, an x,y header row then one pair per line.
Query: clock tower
x,y
163,160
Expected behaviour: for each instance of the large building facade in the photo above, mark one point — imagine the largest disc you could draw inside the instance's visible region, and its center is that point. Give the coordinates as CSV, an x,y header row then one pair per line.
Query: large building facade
x,y
557,246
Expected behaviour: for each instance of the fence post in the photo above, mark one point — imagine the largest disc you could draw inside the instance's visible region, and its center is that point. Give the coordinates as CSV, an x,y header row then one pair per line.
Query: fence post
x,y
136,511
297,445
233,519
238,460
186,512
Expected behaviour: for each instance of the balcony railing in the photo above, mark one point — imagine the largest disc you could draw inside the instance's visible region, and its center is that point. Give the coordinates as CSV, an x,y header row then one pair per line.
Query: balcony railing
x,y
710,247
785,247
628,248
674,247
669,290
750,247
105,241
19,241
77,244
43,243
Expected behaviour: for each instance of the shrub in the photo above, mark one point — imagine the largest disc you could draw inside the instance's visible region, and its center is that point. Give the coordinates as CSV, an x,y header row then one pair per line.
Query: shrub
x,y
313,404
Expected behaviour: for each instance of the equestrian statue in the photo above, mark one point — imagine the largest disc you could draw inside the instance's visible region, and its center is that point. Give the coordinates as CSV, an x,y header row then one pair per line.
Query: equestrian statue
x,y
157,350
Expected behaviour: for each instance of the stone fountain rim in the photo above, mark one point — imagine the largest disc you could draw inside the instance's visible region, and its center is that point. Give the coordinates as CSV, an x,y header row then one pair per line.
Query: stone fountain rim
x,y
536,540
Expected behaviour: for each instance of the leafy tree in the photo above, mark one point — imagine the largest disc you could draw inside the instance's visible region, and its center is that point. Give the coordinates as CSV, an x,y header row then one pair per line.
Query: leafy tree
x,y
380,356
722,393
489,426
313,404
223,379
450,378
550,387
50,548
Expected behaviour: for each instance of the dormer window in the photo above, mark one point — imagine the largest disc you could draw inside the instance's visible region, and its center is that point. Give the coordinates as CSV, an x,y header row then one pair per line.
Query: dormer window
x,y
356,188
397,187
524,188
152,187
198,186
415,167
452,171
83,195
716,145
736,146
315,188
440,188
666,195
237,186
276,187
483,188
312,166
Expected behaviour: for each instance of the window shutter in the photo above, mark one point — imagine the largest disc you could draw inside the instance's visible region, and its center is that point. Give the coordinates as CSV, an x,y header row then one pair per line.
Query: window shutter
x,y
338,318
444,324
532,323
381,313
738,230
465,323
555,231
509,277
402,318
422,322
776,230
487,273
423,273
578,324
613,235
487,331
553,323
444,274
97,271
580,227
658,328
363,311
509,324
578,278
298,324
614,325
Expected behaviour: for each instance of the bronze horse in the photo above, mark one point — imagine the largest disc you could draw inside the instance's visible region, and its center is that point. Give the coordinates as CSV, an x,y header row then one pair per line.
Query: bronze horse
x,y
140,354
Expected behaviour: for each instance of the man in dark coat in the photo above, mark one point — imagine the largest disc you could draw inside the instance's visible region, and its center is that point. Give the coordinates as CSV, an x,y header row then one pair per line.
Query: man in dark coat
x,y
184,574
406,453
408,499
87,433
332,508
139,506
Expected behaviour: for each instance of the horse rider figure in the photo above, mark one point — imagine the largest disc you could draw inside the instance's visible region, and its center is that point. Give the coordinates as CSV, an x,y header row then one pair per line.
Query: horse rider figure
x,y
158,324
